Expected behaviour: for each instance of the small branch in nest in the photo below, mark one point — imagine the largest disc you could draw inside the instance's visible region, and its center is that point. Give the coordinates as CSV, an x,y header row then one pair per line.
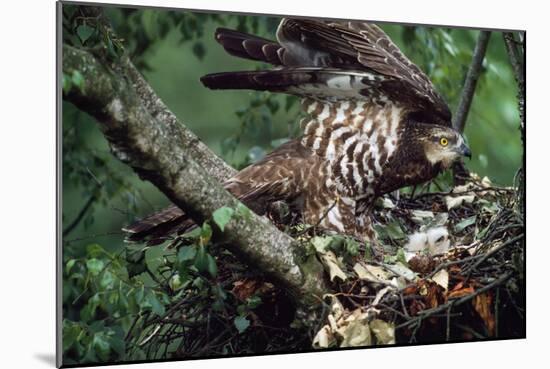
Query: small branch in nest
x,y
491,252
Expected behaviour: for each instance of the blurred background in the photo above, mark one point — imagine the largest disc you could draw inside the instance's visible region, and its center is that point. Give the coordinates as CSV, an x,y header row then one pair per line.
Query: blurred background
x,y
174,49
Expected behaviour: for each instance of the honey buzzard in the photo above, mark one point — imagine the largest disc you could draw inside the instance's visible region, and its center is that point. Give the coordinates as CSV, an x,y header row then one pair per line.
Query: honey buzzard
x,y
374,124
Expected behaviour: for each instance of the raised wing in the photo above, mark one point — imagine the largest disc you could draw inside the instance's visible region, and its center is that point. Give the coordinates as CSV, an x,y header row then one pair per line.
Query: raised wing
x,y
364,45
346,60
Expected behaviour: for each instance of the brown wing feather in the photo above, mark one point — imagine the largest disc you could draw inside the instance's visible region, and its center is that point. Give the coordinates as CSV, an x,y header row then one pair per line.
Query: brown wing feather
x,y
274,178
367,45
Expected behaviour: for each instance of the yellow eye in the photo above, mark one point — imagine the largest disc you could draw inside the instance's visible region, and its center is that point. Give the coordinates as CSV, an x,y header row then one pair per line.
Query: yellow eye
x,y
443,141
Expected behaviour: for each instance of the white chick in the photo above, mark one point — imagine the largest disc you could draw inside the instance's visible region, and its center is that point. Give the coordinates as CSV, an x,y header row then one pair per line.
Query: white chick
x,y
433,241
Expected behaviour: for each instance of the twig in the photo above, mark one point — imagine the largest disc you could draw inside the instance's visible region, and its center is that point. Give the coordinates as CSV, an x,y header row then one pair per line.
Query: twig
x,y
493,251
80,215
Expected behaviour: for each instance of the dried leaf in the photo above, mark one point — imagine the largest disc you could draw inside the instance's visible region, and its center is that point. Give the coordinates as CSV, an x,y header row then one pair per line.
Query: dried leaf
x,y
245,288
383,331
387,203
332,264
486,182
356,333
372,273
336,307
454,202
442,279
401,270
483,305
461,292
434,295
421,216
321,243
381,294
463,188
324,338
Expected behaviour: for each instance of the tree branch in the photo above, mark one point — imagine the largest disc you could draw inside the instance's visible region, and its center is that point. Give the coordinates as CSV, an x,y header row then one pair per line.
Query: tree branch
x,y
471,81
516,59
460,172
144,134
518,64
80,215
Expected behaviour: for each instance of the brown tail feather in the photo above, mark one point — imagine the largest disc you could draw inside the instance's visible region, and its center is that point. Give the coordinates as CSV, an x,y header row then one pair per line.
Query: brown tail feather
x,y
244,45
255,186
267,80
155,228
161,226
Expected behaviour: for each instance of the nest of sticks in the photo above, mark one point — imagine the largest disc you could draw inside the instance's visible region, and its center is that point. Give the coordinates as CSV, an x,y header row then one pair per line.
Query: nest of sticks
x,y
453,271
456,272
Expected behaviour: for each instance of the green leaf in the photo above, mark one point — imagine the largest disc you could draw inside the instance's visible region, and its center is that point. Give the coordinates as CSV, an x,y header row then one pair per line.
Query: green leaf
x,y
136,260
66,83
95,266
71,331
156,305
241,323
211,265
70,265
253,302
84,32
175,282
101,346
186,253
394,231
107,280
243,212
206,234
77,79
149,19
201,260
352,246
398,257
222,216
95,250
465,223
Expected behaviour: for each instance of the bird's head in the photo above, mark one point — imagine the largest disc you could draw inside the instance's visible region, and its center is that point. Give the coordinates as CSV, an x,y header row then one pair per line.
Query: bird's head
x,y
442,144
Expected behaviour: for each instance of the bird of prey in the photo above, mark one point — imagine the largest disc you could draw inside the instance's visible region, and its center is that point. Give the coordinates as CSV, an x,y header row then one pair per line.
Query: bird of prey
x,y
374,123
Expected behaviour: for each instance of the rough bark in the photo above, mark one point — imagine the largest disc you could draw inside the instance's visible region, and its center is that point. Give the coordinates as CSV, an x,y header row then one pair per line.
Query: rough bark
x,y
516,55
143,133
517,60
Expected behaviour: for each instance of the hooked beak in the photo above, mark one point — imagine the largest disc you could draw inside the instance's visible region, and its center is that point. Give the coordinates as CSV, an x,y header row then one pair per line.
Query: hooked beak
x,y
464,150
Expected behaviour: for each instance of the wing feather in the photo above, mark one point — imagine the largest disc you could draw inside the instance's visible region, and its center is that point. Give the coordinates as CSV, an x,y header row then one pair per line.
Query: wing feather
x,y
366,44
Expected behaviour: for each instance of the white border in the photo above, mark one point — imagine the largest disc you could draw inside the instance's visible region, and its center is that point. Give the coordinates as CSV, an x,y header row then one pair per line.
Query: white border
x,y
28,180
